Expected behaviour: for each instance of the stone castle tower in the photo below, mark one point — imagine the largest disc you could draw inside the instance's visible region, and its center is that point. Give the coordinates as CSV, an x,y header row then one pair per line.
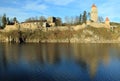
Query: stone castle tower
x,y
94,13
107,22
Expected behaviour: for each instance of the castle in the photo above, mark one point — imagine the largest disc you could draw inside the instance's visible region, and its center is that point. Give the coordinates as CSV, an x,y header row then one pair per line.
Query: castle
x,y
94,19
51,22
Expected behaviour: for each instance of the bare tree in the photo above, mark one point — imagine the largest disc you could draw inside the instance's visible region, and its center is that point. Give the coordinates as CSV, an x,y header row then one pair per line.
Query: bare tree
x,y
76,20
67,20
100,19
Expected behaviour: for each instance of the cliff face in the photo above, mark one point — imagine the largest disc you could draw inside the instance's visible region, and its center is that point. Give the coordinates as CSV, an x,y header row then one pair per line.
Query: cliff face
x,y
86,35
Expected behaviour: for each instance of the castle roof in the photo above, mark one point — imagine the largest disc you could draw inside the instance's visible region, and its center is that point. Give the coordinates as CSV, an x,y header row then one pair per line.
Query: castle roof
x,y
107,19
93,5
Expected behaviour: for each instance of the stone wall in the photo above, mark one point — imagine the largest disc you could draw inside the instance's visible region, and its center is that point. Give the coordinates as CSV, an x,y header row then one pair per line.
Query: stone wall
x,y
11,27
96,25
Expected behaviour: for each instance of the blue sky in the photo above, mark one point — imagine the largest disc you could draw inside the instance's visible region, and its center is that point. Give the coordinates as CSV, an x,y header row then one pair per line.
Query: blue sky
x,y
23,9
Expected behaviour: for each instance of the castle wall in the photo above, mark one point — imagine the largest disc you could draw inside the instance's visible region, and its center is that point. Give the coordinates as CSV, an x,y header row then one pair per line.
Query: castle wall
x,y
97,25
30,25
10,27
61,28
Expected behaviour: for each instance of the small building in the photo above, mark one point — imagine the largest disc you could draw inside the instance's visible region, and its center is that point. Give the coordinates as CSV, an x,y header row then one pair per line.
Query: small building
x,y
31,25
107,22
15,26
51,21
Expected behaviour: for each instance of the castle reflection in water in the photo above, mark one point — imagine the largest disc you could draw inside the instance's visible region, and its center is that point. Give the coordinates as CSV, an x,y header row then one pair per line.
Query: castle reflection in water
x,y
87,56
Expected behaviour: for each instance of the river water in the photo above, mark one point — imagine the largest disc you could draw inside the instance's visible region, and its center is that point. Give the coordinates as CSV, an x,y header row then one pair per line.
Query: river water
x,y
59,62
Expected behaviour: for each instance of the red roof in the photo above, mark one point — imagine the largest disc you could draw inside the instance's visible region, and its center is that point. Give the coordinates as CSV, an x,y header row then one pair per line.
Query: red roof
x,y
93,5
107,19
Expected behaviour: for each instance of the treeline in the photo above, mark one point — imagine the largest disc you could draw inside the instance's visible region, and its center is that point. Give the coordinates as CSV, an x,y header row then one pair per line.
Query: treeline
x,y
4,20
73,20
76,20
82,18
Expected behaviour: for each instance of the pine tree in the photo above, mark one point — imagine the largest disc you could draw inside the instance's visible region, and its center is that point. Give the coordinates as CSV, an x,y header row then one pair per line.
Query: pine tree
x,y
15,20
80,19
84,17
4,21
8,21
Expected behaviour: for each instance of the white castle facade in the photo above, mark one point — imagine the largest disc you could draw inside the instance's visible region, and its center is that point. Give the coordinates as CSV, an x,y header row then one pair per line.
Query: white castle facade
x,y
94,19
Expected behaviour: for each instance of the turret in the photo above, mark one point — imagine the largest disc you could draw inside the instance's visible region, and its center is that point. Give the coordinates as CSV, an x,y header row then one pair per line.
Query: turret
x,y
94,13
107,22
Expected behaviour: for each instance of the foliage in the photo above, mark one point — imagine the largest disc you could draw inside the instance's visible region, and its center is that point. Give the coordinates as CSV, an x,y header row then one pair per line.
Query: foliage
x,y
80,19
4,21
84,17
58,21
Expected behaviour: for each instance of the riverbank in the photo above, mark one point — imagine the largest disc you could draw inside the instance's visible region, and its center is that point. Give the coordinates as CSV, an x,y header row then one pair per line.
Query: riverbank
x,y
86,35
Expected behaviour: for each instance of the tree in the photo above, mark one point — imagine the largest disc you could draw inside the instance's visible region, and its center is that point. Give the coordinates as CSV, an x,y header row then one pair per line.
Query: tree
x,y
4,21
8,21
58,21
71,20
14,19
67,20
80,19
88,16
0,21
84,17
42,19
100,19
76,20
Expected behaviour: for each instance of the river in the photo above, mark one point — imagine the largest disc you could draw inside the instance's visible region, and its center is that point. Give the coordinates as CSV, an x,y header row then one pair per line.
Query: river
x,y
59,62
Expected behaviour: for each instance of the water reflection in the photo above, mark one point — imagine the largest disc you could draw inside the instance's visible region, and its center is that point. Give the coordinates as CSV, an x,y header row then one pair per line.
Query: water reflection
x,y
59,62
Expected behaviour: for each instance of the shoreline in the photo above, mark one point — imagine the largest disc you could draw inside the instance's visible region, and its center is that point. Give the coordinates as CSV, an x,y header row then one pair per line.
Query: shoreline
x,y
64,41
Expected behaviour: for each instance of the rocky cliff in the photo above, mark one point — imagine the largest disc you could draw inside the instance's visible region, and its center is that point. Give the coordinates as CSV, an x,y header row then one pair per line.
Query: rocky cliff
x,y
86,35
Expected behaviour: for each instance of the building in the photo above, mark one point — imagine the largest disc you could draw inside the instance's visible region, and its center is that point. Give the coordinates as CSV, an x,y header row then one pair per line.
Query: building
x,y
94,13
51,21
107,22
15,26
30,25
94,19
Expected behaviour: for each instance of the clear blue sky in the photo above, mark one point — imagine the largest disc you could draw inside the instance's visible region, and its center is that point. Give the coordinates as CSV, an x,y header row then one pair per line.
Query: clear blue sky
x,y
23,9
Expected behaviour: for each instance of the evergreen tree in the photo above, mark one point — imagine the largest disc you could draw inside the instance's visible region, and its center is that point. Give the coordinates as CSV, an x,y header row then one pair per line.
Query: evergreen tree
x,y
80,19
100,19
84,17
8,21
88,16
4,21
14,19
0,21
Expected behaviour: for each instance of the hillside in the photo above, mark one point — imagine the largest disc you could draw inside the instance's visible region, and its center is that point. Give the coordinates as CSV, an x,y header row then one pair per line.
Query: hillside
x,y
88,34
